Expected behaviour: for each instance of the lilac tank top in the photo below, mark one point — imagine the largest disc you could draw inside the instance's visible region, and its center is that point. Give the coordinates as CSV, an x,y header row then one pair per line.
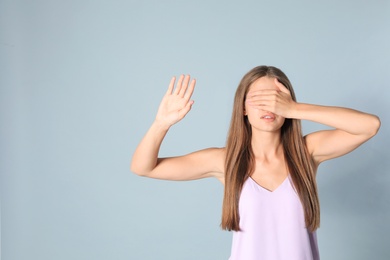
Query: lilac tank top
x,y
272,225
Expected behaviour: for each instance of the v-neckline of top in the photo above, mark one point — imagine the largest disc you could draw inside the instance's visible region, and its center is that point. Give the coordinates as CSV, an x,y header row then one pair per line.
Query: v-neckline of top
x,y
267,190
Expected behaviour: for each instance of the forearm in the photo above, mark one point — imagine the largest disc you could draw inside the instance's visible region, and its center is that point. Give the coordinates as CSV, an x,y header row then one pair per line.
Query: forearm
x,y
348,120
146,154
174,106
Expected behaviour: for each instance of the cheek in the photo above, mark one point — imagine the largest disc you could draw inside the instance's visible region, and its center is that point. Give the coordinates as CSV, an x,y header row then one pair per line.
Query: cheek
x,y
282,121
246,107
250,110
252,115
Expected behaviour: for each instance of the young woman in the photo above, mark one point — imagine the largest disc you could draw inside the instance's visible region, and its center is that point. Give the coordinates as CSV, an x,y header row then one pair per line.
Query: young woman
x,y
267,167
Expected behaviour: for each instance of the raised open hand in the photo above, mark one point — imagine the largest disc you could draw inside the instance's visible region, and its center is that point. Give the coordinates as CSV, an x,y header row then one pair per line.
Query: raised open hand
x,y
176,103
277,101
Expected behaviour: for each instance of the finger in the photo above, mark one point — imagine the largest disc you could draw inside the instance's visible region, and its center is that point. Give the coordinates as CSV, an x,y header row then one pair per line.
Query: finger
x,y
261,104
264,96
265,107
262,92
184,86
259,101
263,101
190,90
171,85
281,86
186,109
178,85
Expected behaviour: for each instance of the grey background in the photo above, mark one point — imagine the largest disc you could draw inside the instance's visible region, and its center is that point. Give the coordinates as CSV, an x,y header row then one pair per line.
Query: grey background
x,y
81,82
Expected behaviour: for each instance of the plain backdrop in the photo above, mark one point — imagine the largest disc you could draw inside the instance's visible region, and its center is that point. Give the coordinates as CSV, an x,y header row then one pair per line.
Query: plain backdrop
x,y
81,82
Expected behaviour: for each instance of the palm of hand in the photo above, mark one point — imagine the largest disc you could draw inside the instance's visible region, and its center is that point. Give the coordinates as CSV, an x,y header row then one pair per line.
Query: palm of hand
x,y
176,103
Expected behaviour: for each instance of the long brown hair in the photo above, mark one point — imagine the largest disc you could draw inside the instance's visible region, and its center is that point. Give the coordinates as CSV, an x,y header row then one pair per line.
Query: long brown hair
x,y
239,163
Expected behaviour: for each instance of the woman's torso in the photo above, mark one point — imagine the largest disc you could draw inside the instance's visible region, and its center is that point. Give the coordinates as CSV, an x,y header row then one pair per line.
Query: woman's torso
x,y
272,225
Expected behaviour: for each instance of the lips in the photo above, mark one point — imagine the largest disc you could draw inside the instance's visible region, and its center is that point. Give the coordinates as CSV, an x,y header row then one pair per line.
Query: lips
x,y
268,116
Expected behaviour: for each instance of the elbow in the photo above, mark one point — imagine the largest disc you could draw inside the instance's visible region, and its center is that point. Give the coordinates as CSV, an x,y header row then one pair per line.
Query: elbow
x,y
136,170
133,169
375,124
139,173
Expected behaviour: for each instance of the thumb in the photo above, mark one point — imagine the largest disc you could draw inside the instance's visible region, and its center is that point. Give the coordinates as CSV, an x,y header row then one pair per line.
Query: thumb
x,y
186,109
281,87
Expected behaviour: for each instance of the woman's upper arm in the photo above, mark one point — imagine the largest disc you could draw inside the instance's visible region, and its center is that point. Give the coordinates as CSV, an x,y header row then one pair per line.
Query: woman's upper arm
x,y
200,164
329,144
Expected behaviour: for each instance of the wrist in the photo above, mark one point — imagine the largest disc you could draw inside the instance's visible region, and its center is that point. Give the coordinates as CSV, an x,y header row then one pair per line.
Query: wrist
x,y
295,111
161,126
305,111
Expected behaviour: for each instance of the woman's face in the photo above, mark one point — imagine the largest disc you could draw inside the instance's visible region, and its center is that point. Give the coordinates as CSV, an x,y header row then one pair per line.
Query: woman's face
x,y
260,119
